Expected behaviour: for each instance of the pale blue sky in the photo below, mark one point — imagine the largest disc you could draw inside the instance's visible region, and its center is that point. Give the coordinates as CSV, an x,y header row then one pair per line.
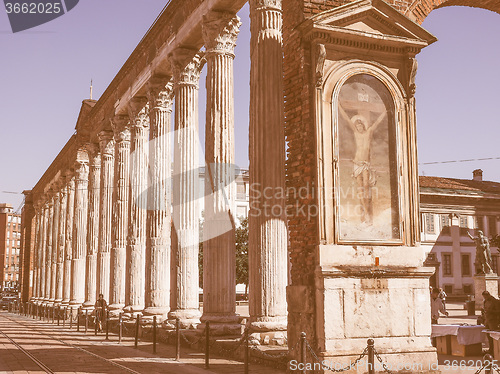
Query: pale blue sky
x,y
45,74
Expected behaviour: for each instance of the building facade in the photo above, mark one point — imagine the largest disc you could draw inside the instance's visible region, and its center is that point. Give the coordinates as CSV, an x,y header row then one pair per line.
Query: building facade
x,y
10,244
451,208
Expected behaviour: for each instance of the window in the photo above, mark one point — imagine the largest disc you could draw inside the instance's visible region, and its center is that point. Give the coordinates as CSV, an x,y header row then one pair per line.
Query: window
x,y
480,223
466,265
463,221
494,264
467,289
447,264
492,225
429,223
445,220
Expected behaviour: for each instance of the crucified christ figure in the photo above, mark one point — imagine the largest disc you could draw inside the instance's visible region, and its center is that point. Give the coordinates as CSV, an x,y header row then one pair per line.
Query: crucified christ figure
x,y
363,173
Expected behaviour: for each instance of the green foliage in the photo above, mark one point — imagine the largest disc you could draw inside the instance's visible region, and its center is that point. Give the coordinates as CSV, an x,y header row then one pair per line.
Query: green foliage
x,y
242,254
241,236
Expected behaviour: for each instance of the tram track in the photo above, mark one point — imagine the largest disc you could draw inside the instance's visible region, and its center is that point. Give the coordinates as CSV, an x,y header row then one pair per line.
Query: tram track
x,y
39,363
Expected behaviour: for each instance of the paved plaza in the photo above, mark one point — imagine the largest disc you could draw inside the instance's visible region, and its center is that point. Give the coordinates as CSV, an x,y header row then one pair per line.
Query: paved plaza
x,y
63,350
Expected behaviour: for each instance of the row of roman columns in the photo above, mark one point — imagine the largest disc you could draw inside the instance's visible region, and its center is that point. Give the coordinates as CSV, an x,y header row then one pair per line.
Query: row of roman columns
x,y
115,222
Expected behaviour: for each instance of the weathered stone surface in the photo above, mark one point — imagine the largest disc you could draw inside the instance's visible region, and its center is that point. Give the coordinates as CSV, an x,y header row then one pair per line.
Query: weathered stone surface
x,y
121,192
136,242
220,31
159,201
185,243
107,148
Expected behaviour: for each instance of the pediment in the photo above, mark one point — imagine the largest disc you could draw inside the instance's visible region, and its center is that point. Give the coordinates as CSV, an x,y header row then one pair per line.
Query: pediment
x,y
369,19
82,127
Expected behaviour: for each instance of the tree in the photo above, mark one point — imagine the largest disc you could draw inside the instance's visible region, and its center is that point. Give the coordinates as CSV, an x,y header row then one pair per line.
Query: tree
x,y
241,238
241,234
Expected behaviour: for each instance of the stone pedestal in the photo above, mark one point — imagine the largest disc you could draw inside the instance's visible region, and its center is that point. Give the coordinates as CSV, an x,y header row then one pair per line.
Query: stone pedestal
x,y
485,282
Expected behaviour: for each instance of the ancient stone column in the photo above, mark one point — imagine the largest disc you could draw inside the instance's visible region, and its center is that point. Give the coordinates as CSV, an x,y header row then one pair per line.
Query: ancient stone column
x,y
268,258
48,250
92,226
136,246
157,297
186,188
121,128
107,145
43,252
220,31
68,248
55,246
63,206
80,233
36,257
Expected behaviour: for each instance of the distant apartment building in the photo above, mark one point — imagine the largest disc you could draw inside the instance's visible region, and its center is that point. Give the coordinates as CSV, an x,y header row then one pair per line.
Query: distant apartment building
x,y
10,244
449,209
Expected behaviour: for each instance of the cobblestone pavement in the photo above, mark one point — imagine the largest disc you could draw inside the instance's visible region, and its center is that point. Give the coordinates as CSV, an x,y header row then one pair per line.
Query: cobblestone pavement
x,y
61,350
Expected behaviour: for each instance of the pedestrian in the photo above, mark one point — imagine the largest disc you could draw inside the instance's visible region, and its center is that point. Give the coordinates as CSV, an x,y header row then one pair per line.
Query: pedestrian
x,y
437,306
100,309
491,307
442,295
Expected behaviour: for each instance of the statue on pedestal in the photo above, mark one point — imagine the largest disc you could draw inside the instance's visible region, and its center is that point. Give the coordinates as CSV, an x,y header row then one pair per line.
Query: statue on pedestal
x,y
483,253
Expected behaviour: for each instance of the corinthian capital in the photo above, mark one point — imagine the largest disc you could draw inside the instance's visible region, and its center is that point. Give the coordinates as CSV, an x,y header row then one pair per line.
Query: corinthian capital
x,y
161,95
121,128
220,31
106,143
138,109
266,4
186,68
82,170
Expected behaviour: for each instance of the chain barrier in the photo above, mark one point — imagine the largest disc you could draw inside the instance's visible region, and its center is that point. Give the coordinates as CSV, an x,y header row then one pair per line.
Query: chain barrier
x,y
234,349
196,341
349,367
386,369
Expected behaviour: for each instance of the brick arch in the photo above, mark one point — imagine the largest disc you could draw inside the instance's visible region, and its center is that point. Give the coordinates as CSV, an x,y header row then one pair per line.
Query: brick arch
x,y
418,10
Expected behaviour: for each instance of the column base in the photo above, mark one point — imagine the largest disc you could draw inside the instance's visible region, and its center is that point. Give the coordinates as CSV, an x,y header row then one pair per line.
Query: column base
x,y
115,309
75,304
222,325
188,318
65,302
160,312
268,330
88,305
131,311
57,302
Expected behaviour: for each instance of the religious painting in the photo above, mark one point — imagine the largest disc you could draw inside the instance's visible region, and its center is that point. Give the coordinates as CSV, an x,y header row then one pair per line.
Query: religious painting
x,y
368,194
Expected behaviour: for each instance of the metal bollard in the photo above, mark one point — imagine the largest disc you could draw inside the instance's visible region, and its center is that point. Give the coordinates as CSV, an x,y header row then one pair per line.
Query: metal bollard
x,y
207,345
488,367
64,316
40,312
86,320
154,334
53,314
303,348
136,343
107,324
120,328
58,315
178,339
78,319
70,318
371,356
96,321
247,350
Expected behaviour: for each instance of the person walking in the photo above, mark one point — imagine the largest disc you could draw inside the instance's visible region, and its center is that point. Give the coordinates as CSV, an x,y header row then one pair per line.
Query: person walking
x,y
100,310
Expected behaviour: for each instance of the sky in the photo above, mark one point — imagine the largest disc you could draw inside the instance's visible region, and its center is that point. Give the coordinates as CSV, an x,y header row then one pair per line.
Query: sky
x,y
45,74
